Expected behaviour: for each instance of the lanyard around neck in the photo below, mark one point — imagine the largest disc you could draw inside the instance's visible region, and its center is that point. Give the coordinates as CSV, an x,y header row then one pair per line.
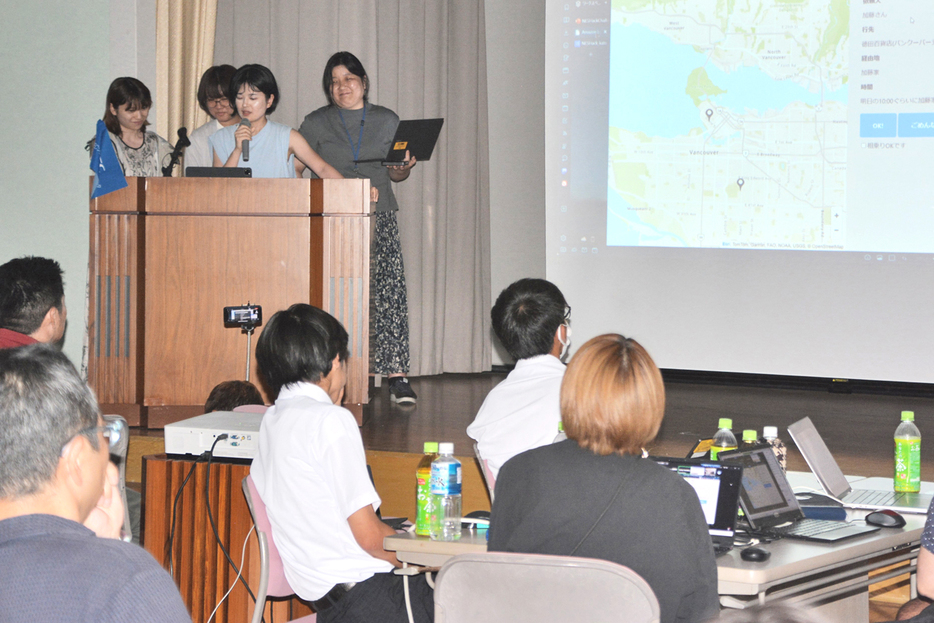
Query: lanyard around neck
x,y
354,149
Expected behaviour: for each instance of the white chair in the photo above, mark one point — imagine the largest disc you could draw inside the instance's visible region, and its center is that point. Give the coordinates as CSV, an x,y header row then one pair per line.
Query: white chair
x,y
488,476
513,588
272,582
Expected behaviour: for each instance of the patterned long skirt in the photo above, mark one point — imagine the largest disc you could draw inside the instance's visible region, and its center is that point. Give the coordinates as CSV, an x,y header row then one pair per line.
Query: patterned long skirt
x,y
389,309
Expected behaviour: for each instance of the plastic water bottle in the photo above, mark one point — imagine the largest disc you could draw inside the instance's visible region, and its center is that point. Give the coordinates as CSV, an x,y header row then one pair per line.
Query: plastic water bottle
x,y
724,440
446,495
908,455
750,438
560,436
770,434
423,501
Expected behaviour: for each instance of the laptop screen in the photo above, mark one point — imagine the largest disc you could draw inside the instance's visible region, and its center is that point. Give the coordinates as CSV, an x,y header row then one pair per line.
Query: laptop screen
x,y
766,495
717,487
818,457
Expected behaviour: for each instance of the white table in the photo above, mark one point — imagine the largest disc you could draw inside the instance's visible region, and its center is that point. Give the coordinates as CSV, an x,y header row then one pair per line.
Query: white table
x,y
831,578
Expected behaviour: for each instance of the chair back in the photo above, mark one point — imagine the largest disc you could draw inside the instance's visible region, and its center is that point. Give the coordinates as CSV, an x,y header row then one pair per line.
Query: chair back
x,y
504,587
272,582
488,476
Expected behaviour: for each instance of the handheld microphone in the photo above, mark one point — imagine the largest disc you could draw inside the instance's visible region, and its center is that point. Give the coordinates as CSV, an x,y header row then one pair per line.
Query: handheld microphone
x,y
245,144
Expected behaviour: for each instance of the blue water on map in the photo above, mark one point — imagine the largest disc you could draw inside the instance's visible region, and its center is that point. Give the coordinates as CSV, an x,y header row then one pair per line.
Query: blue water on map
x,y
648,77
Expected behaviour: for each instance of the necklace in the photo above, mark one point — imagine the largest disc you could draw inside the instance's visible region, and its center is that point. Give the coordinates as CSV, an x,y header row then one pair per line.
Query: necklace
x,y
354,149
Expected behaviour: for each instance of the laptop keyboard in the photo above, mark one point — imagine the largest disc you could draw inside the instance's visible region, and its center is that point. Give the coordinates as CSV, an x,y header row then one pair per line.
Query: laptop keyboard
x,y
806,527
876,498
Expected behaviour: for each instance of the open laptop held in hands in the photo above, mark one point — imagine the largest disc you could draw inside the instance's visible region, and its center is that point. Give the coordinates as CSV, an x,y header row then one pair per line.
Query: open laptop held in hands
x,y
832,480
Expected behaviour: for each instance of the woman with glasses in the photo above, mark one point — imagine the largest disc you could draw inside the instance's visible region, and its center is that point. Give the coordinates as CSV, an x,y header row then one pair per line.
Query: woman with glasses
x,y
213,99
353,135
595,496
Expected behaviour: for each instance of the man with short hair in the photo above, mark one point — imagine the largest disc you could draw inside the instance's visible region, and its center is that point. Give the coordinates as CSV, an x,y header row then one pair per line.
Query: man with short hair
x,y
32,302
532,320
56,483
310,471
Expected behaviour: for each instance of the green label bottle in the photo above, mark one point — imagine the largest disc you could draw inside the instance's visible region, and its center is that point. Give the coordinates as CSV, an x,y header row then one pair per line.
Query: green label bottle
x,y
907,455
724,440
423,499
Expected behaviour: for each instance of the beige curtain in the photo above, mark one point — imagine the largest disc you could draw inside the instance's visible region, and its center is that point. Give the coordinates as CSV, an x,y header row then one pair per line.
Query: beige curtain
x,y
184,51
425,58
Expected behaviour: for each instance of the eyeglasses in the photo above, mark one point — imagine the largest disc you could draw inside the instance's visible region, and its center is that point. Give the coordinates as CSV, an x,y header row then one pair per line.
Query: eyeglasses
x,y
114,430
218,102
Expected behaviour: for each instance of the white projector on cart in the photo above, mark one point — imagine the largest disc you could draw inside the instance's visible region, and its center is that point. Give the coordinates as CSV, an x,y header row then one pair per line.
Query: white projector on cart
x,y
196,435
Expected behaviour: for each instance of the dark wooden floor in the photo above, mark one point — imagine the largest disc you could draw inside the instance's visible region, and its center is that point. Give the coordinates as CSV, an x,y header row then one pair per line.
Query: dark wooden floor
x,y
858,428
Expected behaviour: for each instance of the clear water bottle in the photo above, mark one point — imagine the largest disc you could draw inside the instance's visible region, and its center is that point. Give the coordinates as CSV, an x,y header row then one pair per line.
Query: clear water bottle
x,y
907,455
724,440
560,436
446,495
770,434
423,489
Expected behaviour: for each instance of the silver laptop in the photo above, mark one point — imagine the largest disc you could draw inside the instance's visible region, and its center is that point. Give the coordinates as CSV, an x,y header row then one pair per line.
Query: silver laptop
x,y
833,481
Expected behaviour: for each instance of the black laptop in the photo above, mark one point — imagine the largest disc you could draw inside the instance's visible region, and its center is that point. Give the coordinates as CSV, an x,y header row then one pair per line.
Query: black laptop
x,y
218,172
417,136
717,487
770,505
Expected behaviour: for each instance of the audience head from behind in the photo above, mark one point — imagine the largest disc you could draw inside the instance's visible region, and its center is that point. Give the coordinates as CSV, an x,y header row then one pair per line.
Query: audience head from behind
x,y
50,436
214,93
126,95
612,396
32,300
531,318
61,558
229,395
303,343
768,613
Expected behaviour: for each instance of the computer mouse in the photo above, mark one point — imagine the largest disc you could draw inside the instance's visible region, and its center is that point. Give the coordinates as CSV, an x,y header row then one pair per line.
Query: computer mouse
x,y
755,554
885,519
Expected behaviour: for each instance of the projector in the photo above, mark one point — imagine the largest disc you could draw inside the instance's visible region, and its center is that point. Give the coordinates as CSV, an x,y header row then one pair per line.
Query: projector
x,y
196,435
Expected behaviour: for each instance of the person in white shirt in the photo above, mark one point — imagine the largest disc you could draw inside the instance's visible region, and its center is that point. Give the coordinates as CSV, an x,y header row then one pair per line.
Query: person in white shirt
x,y
213,92
310,471
532,320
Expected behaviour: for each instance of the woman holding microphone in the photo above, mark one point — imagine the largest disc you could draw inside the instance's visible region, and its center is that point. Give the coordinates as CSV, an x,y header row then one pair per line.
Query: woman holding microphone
x,y
354,136
273,147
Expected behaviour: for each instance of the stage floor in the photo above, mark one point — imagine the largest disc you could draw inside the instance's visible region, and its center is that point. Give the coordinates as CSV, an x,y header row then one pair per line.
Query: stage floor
x,y
858,428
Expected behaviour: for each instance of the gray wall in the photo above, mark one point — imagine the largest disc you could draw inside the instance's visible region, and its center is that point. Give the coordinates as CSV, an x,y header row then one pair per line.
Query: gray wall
x,y
515,36
55,57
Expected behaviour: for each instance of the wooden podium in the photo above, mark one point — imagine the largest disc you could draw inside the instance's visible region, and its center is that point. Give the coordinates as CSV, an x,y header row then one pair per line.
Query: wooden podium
x,y
168,254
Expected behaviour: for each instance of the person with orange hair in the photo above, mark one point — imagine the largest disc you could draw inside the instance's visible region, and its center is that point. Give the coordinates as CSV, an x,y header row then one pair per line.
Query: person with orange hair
x,y
593,495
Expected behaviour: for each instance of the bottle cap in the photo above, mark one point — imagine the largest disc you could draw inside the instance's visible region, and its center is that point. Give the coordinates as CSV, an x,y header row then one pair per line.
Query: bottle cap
x,y
431,447
725,422
908,416
750,435
446,447
770,432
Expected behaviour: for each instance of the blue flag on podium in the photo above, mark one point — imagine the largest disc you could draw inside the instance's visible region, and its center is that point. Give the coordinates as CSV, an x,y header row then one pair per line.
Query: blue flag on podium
x,y
108,174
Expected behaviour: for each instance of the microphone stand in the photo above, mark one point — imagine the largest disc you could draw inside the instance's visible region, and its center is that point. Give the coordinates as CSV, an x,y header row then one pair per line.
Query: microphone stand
x,y
180,145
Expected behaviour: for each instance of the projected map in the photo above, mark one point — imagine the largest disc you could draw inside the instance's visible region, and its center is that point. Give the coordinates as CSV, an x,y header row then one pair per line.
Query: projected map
x,y
728,124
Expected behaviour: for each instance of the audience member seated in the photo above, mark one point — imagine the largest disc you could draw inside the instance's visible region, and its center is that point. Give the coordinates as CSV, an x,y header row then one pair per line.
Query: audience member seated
x,y
229,395
917,609
60,511
32,302
593,495
214,100
531,319
310,471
